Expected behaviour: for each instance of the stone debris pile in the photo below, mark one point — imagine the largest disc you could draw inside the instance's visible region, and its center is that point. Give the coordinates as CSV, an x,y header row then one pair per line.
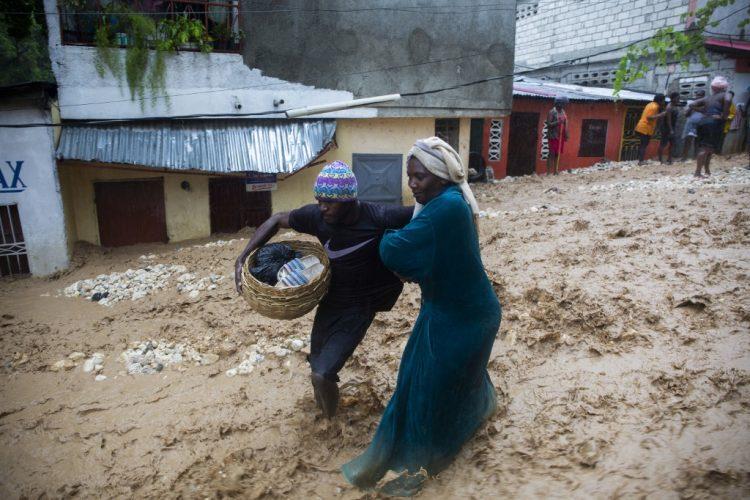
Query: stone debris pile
x,y
133,284
493,214
93,364
153,356
212,244
260,351
605,166
188,283
734,177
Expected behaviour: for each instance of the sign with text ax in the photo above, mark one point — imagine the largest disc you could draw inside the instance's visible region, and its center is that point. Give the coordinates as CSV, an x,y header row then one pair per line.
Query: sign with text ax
x,y
256,181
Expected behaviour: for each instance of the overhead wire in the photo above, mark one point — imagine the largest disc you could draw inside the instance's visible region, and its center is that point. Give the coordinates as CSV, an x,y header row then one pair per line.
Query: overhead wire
x,y
281,112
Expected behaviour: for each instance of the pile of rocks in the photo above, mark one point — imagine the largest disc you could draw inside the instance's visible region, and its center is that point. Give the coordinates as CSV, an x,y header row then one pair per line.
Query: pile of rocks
x,y
258,353
493,214
212,244
133,284
153,356
93,364
734,177
188,283
604,166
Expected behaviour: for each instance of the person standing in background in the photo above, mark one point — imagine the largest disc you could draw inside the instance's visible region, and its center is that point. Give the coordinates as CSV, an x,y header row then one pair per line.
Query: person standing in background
x,y
646,126
557,133
690,132
716,109
668,124
728,121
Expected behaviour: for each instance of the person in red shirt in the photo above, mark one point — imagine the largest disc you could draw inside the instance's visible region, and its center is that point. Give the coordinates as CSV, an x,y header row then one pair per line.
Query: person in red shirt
x,y
557,133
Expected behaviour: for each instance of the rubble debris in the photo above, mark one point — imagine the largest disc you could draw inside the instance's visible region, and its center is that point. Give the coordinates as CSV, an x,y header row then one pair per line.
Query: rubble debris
x,y
736,176
63,365
133,284
93,362
153,356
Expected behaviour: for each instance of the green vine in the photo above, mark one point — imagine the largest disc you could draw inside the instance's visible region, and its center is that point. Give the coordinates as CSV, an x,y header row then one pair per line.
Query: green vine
x,y
667,44
146,43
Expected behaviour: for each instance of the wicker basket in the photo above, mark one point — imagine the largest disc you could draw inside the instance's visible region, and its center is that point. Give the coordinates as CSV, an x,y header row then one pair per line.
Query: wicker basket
x,y
287,303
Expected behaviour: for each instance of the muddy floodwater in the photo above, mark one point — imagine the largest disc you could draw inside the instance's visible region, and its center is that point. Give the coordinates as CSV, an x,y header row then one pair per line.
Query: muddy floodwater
x,y
622,365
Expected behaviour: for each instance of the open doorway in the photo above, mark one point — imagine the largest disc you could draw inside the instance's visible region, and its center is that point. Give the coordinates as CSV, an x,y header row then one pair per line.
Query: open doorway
x,y
522,143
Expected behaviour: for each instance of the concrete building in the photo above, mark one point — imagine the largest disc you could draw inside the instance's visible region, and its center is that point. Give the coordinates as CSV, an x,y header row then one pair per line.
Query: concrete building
x,y
171,177
31,215
600,127
582,42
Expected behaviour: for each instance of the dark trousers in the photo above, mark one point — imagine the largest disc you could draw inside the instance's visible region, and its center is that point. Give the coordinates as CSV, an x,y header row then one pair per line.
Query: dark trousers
x,y
642,145
335,335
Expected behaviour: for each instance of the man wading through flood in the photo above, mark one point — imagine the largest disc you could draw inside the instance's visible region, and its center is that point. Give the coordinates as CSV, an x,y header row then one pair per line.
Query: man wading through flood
x,y
350,231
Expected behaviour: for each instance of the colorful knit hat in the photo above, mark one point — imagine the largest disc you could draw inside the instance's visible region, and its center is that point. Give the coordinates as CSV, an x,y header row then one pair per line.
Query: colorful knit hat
x,y
336,182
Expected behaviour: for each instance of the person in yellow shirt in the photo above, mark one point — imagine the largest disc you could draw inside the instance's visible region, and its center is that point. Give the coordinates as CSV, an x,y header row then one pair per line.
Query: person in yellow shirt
x,y
728,121
646,126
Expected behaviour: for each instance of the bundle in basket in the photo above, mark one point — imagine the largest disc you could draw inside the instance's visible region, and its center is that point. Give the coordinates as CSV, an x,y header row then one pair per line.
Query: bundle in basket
x,y
287,303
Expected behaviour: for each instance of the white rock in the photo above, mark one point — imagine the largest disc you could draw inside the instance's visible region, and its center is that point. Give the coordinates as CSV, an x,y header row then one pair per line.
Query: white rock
x,y
100,378
194,294
88,366
296,344
75,356
231,372
280,352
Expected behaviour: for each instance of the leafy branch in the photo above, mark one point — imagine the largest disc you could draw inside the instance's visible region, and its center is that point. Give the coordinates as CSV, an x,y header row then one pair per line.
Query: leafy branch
x,y
668,44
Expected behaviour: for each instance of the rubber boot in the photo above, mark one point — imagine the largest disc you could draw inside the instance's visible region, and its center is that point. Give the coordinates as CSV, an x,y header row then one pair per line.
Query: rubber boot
x,y
326,394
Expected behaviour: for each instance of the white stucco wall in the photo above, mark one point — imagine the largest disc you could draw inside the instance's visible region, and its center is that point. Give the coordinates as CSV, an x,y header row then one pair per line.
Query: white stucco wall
x,y
39,200
214,83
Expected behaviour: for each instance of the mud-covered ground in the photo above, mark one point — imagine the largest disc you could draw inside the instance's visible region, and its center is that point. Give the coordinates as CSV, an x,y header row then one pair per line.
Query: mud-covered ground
x,y
622,365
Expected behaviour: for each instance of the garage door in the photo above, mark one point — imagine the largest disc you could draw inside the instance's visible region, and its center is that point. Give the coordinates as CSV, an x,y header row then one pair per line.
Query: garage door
x,y
378,177
131,212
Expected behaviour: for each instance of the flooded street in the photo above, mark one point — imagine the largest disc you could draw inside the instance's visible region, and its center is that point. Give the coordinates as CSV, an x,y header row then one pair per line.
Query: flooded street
x,y
622,365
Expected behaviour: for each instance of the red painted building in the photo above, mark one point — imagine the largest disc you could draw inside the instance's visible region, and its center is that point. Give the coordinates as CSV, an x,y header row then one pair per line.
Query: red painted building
x,y
600,127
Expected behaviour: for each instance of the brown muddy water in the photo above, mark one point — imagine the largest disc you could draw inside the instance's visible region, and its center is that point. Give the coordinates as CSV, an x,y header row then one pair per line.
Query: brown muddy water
x,y
622,365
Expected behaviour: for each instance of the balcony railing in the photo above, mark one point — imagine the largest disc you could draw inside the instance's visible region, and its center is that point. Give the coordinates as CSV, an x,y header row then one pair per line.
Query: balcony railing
x,y
79,19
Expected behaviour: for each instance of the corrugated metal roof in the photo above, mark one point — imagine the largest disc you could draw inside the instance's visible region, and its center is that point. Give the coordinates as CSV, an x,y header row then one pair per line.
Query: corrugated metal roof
x,y
542,89
219,146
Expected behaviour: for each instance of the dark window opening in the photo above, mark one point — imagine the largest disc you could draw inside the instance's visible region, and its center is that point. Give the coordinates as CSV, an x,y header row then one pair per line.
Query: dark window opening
x,y
593,138
447,129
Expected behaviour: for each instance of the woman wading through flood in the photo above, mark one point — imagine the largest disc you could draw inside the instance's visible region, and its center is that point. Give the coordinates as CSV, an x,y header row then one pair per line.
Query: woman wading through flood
x,y
443,392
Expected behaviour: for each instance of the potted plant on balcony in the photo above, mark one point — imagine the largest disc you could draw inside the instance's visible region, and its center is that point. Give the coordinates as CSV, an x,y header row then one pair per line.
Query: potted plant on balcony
x,y
183,32
145,43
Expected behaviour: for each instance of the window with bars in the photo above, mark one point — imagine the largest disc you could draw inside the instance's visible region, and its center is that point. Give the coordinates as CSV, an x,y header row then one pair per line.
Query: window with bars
x,y
447,129
79,19
593,138
13,257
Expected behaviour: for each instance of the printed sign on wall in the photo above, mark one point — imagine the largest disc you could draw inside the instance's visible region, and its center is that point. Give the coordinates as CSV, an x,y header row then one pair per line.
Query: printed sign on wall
x,y
10,177
256,181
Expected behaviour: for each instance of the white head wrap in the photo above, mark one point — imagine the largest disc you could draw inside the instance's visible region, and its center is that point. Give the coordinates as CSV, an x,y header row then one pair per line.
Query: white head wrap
x,y
719,83
441,159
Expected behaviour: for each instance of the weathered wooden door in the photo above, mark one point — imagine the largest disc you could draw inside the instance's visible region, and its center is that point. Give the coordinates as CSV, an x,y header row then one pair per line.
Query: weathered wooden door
x,y
378,177
131,212
522,143
233,208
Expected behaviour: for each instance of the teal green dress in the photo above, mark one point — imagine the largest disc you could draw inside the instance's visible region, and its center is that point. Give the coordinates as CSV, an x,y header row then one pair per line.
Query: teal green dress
x,y
443,392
